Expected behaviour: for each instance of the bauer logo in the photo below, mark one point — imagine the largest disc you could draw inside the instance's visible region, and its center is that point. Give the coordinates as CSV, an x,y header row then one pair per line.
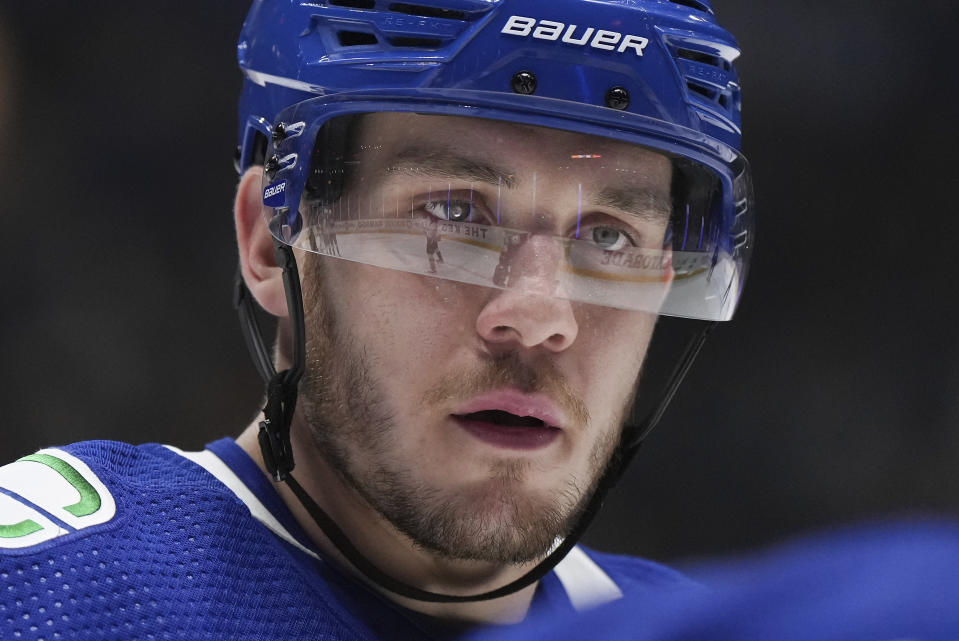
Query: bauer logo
x,y
574,34
275,195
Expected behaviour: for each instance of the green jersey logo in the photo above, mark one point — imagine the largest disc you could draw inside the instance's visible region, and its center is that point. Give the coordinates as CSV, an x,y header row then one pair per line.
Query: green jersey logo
x,y
48,494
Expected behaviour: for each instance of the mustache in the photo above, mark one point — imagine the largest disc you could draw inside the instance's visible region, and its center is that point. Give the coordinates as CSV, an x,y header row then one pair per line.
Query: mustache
x,y
509,370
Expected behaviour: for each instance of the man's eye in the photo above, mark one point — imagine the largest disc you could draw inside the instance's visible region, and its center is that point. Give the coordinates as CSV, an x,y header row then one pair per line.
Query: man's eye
x,y
610,238
455,210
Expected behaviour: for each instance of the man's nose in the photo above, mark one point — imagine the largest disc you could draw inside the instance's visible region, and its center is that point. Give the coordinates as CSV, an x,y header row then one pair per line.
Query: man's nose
x,y
528,313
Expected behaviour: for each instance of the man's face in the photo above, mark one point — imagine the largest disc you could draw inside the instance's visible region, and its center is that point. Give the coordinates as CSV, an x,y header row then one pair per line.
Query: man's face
x,y
476,420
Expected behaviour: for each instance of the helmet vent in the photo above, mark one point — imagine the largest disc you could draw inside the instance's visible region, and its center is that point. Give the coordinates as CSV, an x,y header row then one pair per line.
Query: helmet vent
x,y
699,5
704,58
708,71
427,12
354,4
356,38
722,98
705,92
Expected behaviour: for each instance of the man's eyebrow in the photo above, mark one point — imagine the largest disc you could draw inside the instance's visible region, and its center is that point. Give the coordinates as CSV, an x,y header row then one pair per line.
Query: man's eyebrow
x,y
651,204
444,164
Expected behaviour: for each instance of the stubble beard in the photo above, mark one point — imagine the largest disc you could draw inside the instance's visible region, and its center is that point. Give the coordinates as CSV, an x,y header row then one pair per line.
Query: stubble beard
x,y
350,424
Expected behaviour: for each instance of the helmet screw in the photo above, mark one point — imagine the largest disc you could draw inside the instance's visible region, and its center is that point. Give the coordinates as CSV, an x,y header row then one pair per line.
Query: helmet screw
x,y
617,98
524,82
279,132
272,166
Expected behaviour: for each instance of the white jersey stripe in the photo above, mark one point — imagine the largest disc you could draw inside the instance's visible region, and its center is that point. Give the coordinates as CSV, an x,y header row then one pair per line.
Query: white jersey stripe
x,y
586,584
215,466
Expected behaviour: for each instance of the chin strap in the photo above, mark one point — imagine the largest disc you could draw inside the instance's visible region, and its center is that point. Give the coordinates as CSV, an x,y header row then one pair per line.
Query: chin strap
x,y
274,439
281,387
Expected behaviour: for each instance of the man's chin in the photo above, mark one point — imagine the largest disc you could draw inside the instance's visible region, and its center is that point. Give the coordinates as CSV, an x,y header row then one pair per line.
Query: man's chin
x,y
495,522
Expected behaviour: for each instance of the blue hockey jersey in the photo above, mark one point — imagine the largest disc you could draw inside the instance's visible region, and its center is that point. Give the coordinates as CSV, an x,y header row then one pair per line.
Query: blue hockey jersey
x,y
105,540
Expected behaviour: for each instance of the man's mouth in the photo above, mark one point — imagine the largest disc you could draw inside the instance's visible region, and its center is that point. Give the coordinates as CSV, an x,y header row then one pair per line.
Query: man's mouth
x,y
505,419
511,420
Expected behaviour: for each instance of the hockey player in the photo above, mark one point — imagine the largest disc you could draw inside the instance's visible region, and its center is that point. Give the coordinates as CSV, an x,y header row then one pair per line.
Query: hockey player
x,y
432,446
433,252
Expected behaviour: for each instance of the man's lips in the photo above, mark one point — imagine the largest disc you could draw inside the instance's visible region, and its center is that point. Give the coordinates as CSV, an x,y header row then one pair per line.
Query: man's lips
x,y
537,406
511,419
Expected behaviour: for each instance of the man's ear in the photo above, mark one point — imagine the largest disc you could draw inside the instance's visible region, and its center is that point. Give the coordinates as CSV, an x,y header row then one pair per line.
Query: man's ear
x,y
258,265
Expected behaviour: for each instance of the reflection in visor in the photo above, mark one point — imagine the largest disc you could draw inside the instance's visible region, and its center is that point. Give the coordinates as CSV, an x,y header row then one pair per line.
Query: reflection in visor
x,y
500,205
499,257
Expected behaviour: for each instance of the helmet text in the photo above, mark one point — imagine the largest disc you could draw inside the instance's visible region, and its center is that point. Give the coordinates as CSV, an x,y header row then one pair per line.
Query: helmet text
x,y
551,30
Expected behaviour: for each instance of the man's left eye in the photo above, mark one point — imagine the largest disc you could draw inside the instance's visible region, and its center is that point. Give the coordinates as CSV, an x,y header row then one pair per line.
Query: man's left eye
x,y
610,238
455,210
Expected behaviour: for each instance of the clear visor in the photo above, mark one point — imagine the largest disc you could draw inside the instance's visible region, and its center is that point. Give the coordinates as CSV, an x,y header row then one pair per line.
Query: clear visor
x,y
503,205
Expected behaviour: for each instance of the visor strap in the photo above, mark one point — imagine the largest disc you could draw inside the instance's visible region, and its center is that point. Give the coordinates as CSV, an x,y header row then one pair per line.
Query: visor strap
x,y
634,435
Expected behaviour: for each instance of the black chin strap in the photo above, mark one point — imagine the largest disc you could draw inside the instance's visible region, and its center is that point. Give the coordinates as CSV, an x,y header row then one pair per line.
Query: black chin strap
x,y
274,439
281,387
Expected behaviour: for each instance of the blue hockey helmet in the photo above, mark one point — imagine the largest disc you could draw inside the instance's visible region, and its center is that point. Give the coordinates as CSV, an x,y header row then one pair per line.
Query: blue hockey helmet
x,y
597,78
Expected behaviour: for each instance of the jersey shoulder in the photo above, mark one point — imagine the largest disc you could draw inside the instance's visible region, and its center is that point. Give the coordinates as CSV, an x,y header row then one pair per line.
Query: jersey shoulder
x,y
52,495
108,540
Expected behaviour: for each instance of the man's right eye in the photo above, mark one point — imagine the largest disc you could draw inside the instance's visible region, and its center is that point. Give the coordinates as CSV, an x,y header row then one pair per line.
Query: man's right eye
x,y
454,210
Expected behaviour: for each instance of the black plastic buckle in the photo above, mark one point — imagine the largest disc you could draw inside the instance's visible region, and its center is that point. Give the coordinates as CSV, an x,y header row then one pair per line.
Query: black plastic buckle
x,y
274,434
